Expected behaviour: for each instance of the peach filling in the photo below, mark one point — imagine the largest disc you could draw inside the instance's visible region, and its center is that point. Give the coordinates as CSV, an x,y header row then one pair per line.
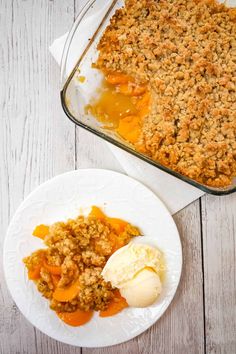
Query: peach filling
x,y
121,106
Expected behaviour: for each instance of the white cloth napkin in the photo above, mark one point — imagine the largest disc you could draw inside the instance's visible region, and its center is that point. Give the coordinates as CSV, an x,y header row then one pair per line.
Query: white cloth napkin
x,y
175,193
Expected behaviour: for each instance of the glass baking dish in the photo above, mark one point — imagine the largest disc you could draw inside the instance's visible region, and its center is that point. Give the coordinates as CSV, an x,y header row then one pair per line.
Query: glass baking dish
x,y
79,53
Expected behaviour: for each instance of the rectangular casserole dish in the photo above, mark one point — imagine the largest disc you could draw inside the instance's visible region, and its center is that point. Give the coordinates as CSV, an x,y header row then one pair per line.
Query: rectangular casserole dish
x,y
79,53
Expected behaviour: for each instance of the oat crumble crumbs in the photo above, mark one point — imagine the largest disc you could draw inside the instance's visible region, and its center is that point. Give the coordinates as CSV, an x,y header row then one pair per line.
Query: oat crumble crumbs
x,y
80,248
186,51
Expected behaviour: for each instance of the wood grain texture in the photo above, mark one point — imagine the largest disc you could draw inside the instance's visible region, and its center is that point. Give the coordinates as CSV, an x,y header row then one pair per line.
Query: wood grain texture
x,y
37,141
181,328
219,244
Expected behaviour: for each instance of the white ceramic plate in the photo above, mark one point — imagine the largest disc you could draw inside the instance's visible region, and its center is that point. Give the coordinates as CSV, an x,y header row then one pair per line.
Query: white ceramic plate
x,y
65,196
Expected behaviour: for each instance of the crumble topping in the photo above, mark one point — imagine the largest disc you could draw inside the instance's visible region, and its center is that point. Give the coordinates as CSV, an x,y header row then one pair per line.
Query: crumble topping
x,y
185,50
79,248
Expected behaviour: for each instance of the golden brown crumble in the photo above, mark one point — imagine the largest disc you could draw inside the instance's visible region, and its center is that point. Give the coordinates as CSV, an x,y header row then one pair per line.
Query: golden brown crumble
x,y
186,51
79,248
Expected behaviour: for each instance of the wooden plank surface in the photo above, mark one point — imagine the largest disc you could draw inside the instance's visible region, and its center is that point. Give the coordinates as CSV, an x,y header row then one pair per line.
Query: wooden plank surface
x,y
219,244
38,142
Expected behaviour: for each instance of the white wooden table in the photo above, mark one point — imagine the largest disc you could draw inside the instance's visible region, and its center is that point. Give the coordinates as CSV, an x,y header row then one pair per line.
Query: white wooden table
x,y
37,142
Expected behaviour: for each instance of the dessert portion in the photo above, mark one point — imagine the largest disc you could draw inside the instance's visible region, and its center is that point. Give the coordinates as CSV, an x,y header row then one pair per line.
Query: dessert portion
x,y
68,271
177,60
136,270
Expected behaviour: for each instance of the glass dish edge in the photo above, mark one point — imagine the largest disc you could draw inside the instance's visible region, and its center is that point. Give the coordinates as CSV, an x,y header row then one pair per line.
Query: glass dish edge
x,y
65,84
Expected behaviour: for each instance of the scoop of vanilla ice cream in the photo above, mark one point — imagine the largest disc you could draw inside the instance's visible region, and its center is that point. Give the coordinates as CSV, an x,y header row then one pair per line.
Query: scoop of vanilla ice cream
x,y
128,260
143,289
134,270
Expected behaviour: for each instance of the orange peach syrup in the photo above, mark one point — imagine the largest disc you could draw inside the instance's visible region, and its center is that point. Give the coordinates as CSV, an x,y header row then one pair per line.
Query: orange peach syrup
x,y
121,106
